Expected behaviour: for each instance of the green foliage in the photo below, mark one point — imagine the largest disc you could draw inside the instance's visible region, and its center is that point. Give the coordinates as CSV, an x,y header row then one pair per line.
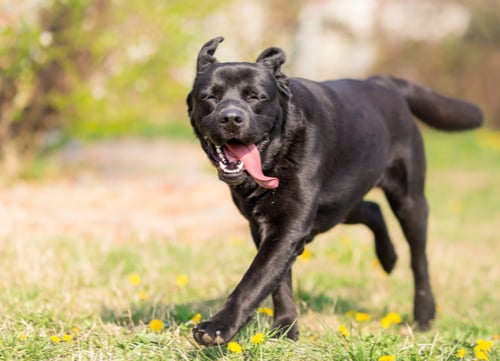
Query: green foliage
x,y
96,68
139,85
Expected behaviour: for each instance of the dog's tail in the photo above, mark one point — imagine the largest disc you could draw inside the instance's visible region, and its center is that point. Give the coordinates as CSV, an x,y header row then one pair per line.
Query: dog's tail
x,y
438,111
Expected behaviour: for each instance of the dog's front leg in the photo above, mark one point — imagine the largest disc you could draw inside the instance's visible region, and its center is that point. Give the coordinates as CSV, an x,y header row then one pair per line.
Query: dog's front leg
x,y
269,268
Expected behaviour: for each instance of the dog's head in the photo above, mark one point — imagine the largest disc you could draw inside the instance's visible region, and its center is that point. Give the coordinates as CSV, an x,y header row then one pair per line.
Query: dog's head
x,y
236,109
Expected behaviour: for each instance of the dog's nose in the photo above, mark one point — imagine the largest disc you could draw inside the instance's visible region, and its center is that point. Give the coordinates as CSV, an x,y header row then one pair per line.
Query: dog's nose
x,y
232,116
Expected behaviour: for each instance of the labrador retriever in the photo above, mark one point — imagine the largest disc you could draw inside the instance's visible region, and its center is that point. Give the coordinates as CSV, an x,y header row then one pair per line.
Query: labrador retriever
x,y
299,156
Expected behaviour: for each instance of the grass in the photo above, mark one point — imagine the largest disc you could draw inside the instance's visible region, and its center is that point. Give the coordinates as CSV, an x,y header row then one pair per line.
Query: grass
x,y
89,299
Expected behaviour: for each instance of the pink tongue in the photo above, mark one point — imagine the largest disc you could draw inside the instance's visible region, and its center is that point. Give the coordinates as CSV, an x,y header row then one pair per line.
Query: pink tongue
x,y
250,156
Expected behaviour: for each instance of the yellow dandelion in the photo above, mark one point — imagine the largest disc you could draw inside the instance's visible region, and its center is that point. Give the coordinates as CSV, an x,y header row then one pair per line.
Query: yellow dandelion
x,y
362,317
67,338
266,311
484,345
480,355
387,358
134,279
390,318
343,330
156,325
306,255
394,317
257,339
55,339
22,337
461,353
385,323
196,318
76,330
482,349
181,280
234,347
143,295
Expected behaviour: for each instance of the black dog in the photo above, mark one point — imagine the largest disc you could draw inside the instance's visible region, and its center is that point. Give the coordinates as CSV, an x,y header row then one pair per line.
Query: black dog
x,y
299,156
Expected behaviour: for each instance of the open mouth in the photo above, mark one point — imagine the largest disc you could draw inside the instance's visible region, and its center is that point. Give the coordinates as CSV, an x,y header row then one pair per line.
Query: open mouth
x,y
234,158
227,162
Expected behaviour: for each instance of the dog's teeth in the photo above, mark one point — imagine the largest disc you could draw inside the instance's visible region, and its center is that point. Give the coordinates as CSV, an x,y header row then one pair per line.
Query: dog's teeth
x,y
224,167
220,153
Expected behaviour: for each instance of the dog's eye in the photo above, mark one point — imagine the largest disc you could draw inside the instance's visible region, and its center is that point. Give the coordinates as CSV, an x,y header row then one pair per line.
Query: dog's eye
x,y
210,98
253,98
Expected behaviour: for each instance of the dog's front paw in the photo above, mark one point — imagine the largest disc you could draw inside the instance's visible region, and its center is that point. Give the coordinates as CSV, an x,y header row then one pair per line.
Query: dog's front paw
x,y
211,333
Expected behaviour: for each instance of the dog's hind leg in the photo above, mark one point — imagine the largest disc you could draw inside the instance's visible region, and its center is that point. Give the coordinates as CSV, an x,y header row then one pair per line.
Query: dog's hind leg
x,y
404,189
369,214
285,313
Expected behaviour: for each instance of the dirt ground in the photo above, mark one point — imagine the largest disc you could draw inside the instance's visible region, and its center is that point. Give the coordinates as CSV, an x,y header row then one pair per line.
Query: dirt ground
x,y
124,190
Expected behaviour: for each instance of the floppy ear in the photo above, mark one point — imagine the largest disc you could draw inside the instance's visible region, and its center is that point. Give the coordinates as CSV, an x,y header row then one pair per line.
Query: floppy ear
x,y
206,54
273,58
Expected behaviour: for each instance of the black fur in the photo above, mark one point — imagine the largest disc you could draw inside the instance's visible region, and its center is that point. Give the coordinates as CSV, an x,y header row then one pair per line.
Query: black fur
x,y
328,143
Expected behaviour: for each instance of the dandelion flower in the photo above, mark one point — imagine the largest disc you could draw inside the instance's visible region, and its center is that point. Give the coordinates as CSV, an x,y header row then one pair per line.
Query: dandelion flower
x,y
362,317
389,319
385,323
134,279
55,339
484,345
143,295
461,353
234,347
196,318
343,330
266,311
480,355
482,348
156,325
67,338
394,317
22,337
306,255
181,280
76,330
387,358
257,339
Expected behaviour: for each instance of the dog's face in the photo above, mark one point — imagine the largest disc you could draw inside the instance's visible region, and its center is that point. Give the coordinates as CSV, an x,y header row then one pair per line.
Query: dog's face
x,y
236,109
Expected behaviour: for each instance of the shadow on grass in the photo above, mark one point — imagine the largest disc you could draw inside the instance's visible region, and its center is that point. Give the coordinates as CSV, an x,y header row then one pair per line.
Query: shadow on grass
x,y
144,311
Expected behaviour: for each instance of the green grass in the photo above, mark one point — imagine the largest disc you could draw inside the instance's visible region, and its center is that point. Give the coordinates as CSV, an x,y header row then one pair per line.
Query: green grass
x,y
81,287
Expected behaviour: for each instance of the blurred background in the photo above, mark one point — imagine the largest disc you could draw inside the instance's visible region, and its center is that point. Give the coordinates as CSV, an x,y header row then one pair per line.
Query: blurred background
x,y
74,71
